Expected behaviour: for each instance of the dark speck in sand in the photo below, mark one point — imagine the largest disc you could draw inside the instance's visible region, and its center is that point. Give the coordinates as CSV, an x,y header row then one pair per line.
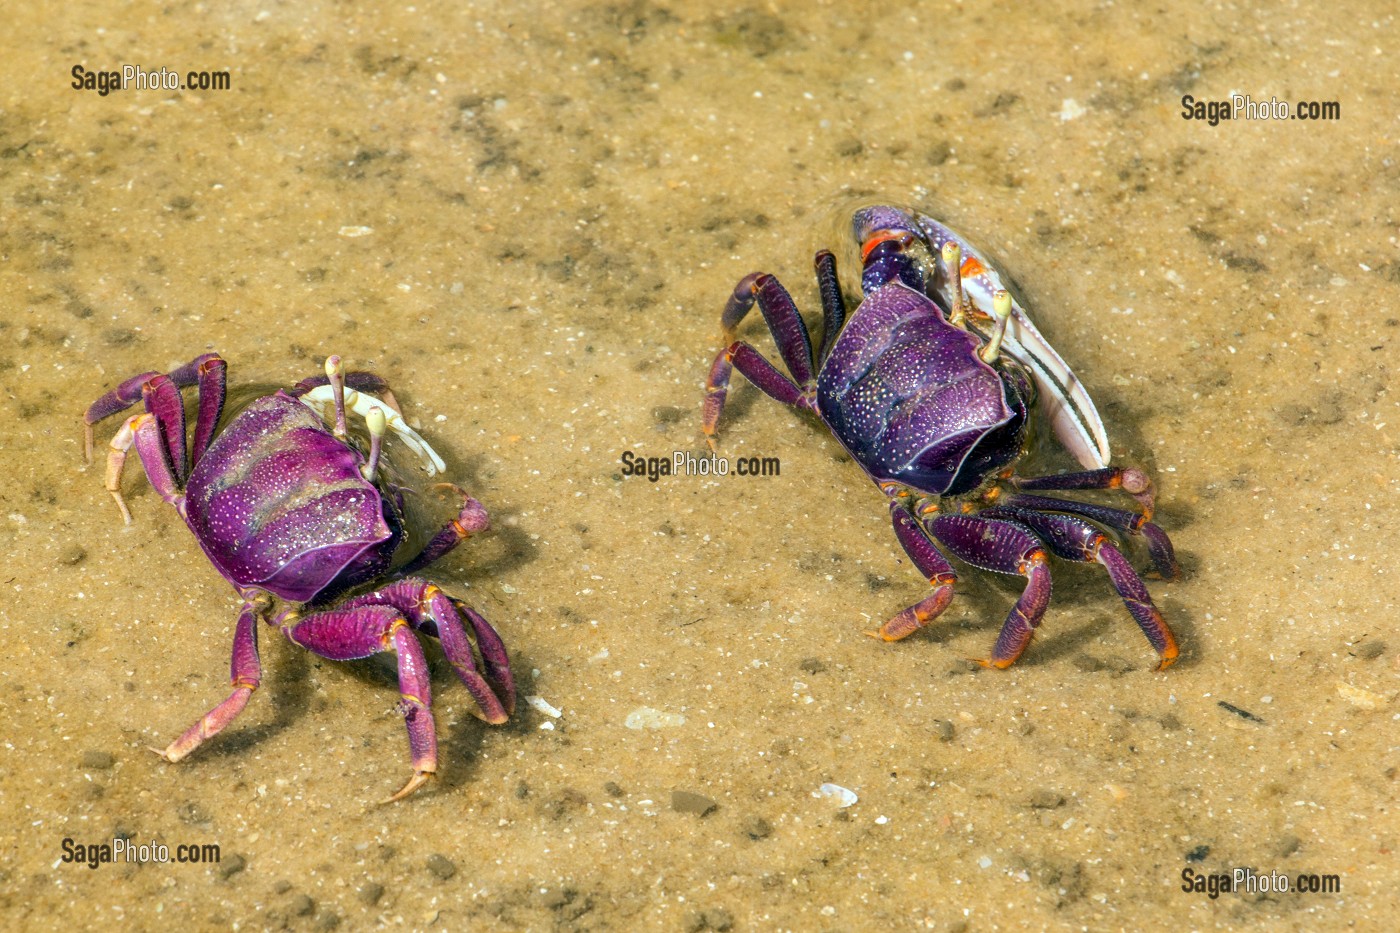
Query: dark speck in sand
x,y
441,866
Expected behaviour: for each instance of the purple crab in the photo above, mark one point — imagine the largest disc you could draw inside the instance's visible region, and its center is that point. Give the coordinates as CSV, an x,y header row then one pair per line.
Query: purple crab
x,y
930,385
292,512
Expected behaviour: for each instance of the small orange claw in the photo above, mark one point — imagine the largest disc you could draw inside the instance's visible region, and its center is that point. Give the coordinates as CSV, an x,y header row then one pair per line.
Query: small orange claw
x,y
991,664
418,780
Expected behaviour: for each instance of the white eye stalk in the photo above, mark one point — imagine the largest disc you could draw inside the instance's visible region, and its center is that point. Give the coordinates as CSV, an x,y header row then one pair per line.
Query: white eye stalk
x,y
377,424
362,403
1001,309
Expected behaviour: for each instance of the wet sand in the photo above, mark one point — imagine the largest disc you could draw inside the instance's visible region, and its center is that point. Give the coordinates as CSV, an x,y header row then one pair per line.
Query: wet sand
x,y
529,225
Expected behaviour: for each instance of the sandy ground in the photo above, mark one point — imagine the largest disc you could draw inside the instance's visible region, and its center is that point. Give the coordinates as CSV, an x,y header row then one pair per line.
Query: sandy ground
x,y
529,223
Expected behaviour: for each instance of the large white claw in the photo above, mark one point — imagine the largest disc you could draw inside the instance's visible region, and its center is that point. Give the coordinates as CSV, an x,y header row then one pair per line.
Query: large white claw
x,y
361,403
1072,414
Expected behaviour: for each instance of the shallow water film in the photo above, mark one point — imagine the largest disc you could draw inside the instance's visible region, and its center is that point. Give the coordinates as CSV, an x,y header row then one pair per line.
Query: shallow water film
x,y
527,218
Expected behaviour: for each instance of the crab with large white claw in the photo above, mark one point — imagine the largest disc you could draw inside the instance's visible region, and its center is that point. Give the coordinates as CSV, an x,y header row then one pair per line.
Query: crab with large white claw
x,y
930,385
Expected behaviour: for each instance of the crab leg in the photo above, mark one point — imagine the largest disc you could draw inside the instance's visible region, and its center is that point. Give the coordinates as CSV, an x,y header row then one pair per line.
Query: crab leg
x,y
245,673
346,634
471,519
210,374
131,391
756,369
1132,481
933,565
1002,547
1077,540
794,344
833,303
1159,546
784,321
144,432
431,611
162,399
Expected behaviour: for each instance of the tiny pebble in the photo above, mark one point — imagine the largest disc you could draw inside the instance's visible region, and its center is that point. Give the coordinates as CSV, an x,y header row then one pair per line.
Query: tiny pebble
x,y
303,906
984,862
72,554
758,828
1370,650
614,788
812,665
94,760
717,918
1198,854
282,887
441,866
232,866
1045,799
684,801
328,921
943,728
370,892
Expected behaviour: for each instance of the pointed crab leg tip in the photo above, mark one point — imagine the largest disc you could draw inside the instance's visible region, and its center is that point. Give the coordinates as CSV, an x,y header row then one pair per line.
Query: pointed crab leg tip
x,y
418,780
1165,662
161,753
333,368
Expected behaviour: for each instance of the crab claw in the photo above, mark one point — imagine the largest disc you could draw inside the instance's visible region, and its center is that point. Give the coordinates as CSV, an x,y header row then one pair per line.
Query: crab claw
x,y
418,780
1071,411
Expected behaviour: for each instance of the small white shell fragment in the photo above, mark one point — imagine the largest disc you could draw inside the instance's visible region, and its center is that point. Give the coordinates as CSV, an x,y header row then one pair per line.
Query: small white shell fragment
x,y
1359,696
1071,109
644,717
844,798
355,231
541,704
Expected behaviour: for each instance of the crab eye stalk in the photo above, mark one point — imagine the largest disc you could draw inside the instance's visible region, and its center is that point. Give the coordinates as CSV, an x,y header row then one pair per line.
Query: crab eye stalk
x,y
377,424
1001,307
335,374
952,262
